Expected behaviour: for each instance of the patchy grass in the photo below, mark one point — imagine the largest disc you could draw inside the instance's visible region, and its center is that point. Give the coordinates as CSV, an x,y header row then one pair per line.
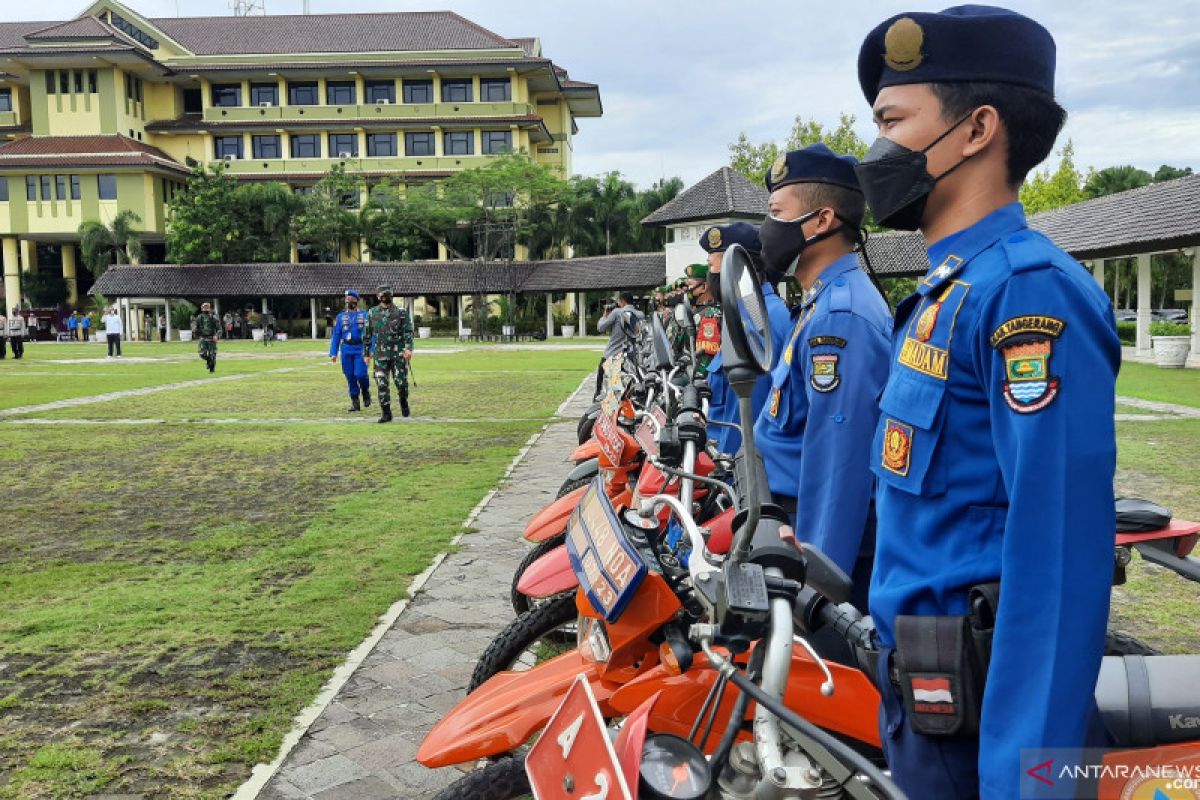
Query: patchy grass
x,y
176,593
1149,382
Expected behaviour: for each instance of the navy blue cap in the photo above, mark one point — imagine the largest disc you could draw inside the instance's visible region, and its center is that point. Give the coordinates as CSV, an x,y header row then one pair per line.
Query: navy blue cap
x,y
964,43
352,293
720,238
814,164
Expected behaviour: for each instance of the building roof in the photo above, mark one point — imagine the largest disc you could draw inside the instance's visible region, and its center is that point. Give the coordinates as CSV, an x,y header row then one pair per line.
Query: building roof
x,y
897,254
80,28
1161,216
415,278
725,193
91,151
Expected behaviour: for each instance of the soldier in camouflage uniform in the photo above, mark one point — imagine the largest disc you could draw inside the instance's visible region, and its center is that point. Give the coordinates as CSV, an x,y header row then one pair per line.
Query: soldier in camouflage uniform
x,y
388,339
708,318
206,328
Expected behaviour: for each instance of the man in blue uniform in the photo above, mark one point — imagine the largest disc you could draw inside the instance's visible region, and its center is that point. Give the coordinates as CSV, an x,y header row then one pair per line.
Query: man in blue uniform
x,y
347,338
995,448
723,407
815,429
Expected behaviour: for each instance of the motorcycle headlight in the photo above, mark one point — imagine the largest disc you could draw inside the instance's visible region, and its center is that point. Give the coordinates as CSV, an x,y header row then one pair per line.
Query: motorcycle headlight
x,y
592,640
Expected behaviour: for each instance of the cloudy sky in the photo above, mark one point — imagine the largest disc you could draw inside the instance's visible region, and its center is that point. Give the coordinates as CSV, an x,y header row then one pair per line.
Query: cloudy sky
x,y
680,79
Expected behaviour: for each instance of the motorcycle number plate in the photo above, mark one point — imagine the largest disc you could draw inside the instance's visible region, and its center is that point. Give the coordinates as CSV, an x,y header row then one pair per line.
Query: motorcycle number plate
x,y
574,759
609,569
646,433
612,445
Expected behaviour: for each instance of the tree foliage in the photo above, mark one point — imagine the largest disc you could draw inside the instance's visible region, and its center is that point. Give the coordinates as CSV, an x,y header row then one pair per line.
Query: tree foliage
x,y
329,218
1111,180
1045,190
754,159
119,241
216,220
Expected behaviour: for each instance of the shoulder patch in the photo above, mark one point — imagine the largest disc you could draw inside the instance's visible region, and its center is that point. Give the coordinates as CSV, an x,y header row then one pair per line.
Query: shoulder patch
x,y
832,341
1026,344
824,376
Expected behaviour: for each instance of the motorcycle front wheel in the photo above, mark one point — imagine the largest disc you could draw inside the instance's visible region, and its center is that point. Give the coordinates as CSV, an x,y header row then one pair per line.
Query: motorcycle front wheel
x,y
504,779
542,633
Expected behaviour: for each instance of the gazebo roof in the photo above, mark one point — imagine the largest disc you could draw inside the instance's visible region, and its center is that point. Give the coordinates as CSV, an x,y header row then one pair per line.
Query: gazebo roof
x,y
723,194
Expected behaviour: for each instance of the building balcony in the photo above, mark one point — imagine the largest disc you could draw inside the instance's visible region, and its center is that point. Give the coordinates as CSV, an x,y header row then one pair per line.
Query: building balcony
x,y
366,112
8,119
249,167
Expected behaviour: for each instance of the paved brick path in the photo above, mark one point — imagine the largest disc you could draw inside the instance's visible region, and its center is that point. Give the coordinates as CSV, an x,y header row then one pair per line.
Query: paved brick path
x,y
362,745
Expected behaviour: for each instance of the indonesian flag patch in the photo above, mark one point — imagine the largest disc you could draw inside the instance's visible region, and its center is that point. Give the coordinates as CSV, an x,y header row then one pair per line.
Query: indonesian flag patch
x,y
932,696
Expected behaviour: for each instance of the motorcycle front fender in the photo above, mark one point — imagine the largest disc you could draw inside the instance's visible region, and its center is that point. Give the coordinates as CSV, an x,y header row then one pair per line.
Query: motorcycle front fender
x,y
588,468
588,450
549,575
506,711
552,520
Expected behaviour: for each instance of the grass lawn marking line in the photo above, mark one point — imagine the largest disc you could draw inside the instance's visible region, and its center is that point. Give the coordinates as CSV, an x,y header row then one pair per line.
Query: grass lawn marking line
x,y
261,774
1145,418
106,397
1162,408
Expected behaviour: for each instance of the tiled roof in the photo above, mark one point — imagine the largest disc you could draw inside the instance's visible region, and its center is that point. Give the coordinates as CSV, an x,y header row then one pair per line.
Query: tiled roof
x,y
12,34
529,44
897,254
1161,216
80,28
111,151
330,33
325,64
406,278
725,193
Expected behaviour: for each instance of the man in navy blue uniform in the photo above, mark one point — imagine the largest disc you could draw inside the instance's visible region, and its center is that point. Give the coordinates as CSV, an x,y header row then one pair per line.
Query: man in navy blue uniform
x,y
995,448
347,338
723,407
816,427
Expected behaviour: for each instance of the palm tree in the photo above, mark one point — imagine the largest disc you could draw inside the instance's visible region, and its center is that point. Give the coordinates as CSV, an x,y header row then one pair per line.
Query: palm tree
x,y
100,245
1111,180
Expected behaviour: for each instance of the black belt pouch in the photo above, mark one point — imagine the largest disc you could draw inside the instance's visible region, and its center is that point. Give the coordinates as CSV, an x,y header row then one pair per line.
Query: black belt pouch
x,y
940,677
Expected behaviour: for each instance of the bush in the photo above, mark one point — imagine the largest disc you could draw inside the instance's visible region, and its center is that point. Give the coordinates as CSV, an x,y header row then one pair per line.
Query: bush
x,y
1169,329
181,315
1127,332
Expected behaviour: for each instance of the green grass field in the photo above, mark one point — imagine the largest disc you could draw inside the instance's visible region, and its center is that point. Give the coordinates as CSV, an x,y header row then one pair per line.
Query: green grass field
x,y
176,592
1181,386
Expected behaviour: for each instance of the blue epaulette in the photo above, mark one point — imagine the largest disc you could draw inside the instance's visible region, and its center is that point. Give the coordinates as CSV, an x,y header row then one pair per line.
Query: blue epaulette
x,y
1028,250
840,294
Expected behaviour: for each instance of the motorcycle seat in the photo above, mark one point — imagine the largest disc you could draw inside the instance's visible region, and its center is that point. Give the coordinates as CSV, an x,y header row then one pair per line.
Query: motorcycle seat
x,y
1150,700
1135,515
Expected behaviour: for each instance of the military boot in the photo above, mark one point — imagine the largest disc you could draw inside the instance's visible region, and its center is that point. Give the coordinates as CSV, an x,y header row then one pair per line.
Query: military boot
x,y
354,404
366,396
404,412
212,364
386,415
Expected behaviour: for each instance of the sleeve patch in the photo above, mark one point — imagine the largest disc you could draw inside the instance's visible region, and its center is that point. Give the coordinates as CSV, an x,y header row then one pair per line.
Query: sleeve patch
x,y
1027,344
832,341
824,376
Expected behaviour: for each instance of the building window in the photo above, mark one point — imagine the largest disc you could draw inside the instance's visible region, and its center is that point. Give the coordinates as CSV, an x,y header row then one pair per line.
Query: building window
x,y
78,75
459,143
227,146
267,147
456,91
339,93
193,102
75,194
497,142
343,145
120,23
418,91
302,93
264,94
495,90
92,81
30,188
381,91
107,186
306,145
64,81
418,144
60,187
3,190
5,99
46,188
226,95
137,89
381,144
50,86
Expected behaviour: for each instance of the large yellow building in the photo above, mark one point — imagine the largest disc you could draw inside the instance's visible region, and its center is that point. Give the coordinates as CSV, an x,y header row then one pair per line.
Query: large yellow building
x,y
102,113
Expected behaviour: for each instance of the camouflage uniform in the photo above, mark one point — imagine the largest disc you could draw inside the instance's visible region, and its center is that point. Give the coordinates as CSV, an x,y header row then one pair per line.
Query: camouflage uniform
x,y
206,327
388,334
708,337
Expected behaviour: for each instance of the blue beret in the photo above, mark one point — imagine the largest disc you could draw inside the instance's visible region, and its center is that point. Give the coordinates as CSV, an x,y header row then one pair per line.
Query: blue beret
x,y
965,43
352,293
720,238
814,164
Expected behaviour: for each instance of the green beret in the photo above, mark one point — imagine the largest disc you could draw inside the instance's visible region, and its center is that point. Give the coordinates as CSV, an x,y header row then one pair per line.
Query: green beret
x,y
697,270
384,289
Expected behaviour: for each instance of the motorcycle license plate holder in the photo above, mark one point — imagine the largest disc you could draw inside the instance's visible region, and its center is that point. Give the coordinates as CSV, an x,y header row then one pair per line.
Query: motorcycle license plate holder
x,y
647,433
574,756
608,566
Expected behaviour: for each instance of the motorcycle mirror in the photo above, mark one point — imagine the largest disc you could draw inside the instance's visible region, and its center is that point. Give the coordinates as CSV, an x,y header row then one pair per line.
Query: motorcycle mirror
x,y
745,311
660,345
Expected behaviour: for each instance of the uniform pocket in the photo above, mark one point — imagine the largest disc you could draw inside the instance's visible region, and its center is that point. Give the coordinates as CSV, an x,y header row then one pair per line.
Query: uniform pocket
x,y
906,440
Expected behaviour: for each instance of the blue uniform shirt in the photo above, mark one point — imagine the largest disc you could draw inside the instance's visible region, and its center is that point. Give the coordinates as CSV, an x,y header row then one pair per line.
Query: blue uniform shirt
x,y
348,332
723,407
995,452
815,429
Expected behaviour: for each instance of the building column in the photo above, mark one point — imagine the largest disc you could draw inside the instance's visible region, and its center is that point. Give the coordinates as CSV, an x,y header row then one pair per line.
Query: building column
x,y
70,274
293,252
312,313
123,313
29,256
12,274
217,307
1143,305
1098,273
458,301
443,252
1194,356
264,305
581,312
167,313
549,315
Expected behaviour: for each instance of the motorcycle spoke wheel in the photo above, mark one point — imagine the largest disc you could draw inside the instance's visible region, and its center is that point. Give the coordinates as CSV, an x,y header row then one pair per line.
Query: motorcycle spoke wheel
x,y
536,636
504,779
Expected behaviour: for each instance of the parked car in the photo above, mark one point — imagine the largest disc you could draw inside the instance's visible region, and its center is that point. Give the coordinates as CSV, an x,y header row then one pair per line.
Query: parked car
x,y
1126,315
1169,315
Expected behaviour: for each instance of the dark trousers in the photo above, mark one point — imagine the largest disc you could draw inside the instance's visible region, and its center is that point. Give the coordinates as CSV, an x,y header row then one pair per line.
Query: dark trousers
x,y
114,340
18,345
599,379
3,346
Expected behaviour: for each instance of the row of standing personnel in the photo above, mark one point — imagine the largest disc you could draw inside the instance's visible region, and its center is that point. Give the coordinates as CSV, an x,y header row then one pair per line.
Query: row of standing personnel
x,y
968,443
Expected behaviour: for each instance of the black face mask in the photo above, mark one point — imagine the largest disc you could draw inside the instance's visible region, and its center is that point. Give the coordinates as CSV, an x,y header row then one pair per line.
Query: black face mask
x,y
351,304
713,281
783,241
896,181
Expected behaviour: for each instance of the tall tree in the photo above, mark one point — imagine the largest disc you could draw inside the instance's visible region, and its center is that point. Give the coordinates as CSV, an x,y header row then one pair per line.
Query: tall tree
x,y
120,242
329,218
1169,173
1045,190
1111,180
389,234
753,160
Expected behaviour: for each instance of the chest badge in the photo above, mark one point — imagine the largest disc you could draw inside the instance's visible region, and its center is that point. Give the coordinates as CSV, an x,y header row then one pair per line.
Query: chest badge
x,y
897,447
1026,344
825,377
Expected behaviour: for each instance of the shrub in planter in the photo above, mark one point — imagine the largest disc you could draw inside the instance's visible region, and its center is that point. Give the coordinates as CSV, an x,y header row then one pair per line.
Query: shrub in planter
x,y
1127,333
1170,329
1171,342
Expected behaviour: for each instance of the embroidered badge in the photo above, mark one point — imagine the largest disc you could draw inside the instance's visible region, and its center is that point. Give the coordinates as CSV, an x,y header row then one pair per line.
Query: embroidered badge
x,y
831,341
774,408
714,237
897,447
932,695
926,346
708,338
779,169
927,320
902,45
1027,343
825,377
943,271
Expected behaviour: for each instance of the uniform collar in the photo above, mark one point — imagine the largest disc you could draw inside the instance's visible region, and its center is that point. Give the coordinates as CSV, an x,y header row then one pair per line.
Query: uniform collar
x,y
828,275
948,256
